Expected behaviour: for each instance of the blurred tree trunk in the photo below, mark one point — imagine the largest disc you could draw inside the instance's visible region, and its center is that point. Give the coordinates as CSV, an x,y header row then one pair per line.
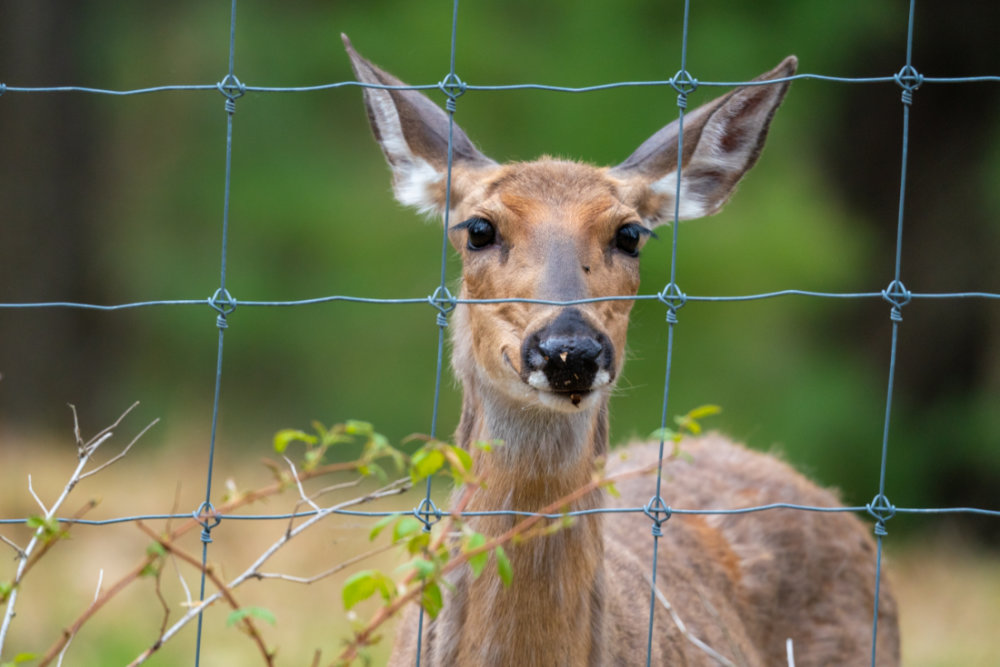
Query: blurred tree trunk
x,y
48,218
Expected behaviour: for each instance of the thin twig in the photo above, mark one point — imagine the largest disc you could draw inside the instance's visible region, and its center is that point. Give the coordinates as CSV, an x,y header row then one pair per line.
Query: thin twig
x,y
120,454
712,653
322,575
298,483
12,545
224,590
251,572
69,640
34,495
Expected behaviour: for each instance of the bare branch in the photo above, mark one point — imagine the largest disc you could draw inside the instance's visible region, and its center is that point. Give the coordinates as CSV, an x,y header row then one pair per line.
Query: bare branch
x,y
298,483
38,500
104,433
252,571
45,541
12,545
120,454
69,639
322,575
225,590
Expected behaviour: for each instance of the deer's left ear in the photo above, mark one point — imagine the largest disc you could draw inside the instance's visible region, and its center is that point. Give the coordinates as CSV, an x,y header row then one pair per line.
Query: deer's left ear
x,y
413,134
722,140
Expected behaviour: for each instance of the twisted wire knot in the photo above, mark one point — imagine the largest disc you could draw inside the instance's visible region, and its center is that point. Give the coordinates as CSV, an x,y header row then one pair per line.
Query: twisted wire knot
x,y
898,296
909,79
674,299
444,302
224,304
205,515
684,84
653,509
882,510
427,513
453,87
233,89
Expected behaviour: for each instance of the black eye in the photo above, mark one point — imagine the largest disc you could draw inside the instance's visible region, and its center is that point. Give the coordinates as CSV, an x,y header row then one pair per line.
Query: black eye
x,y
628,236
482,234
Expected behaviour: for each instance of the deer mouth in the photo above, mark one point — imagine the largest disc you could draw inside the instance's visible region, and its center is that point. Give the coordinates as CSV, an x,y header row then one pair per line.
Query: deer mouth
x,y
574,397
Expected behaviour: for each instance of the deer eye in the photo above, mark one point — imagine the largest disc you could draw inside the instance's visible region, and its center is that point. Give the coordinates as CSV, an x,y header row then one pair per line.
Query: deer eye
x,y
482,233
628,236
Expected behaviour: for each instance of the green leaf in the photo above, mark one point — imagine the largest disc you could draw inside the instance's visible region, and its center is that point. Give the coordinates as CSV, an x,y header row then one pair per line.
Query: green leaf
x,y
406,526
381,524
287,436
666,434
418,542
48,527
424,567
464,457
364,584
504,568
354,427
703,411
425,462
431,599
250,612
477,562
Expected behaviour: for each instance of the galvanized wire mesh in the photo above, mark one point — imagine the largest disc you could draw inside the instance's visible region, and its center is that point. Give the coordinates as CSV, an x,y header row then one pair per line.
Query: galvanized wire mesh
x,y
223,303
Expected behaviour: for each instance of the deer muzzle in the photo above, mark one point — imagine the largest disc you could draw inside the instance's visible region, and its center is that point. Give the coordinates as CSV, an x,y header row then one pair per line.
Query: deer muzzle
x,y
568,356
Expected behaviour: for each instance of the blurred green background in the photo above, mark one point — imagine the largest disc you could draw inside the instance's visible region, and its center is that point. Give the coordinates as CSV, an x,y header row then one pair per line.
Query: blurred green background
x,y
110,200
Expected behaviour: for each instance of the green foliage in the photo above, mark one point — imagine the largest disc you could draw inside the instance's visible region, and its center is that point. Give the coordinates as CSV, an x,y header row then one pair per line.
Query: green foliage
x,y
364,584
260,613
46,529
20,659
687,424
374,445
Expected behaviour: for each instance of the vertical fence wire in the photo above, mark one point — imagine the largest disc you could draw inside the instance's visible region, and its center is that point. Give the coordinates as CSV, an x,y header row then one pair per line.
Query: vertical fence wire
x,y
224,304
657,510
880,508
442,299
444,302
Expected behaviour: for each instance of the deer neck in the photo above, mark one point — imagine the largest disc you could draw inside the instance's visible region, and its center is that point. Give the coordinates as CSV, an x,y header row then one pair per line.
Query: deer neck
x,y
553,609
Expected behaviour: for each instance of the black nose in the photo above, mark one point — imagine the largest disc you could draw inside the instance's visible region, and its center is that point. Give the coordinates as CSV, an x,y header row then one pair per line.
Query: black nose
x,y
569,352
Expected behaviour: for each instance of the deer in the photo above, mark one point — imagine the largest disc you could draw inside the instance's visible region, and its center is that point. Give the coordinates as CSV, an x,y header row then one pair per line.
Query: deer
x,y
538,377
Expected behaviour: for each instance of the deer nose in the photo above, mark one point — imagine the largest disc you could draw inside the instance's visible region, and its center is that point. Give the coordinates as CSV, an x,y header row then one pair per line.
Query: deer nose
x,y
567,356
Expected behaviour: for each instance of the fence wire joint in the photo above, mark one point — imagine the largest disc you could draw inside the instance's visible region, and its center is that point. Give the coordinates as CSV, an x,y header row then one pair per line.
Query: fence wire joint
x,y
427,513
205,515
898,296
909,79
653,509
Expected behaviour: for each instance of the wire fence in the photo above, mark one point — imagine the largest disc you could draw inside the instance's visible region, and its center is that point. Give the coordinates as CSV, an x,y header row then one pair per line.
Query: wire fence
x,y
223,303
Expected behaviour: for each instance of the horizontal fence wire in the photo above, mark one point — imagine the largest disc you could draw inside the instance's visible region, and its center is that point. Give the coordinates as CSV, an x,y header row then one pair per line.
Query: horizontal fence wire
x,y
224,303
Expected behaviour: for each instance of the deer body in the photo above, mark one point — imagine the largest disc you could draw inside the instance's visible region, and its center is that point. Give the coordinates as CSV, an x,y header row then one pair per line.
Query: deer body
x,y
538,377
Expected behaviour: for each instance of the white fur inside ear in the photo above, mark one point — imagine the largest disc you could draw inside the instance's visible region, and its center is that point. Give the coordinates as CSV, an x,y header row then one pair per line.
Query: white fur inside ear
x,y
413,176
691,205
412,184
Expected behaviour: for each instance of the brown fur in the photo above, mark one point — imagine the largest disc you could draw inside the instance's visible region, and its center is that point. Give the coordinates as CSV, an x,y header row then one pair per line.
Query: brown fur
x,y
742,585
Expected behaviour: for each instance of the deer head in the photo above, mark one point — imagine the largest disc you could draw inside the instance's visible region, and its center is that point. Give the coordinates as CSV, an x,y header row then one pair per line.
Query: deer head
x,y
558,230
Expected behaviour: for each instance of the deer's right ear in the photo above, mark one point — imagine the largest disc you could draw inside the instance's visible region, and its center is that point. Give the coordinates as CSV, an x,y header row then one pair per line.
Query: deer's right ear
x,y
413,134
